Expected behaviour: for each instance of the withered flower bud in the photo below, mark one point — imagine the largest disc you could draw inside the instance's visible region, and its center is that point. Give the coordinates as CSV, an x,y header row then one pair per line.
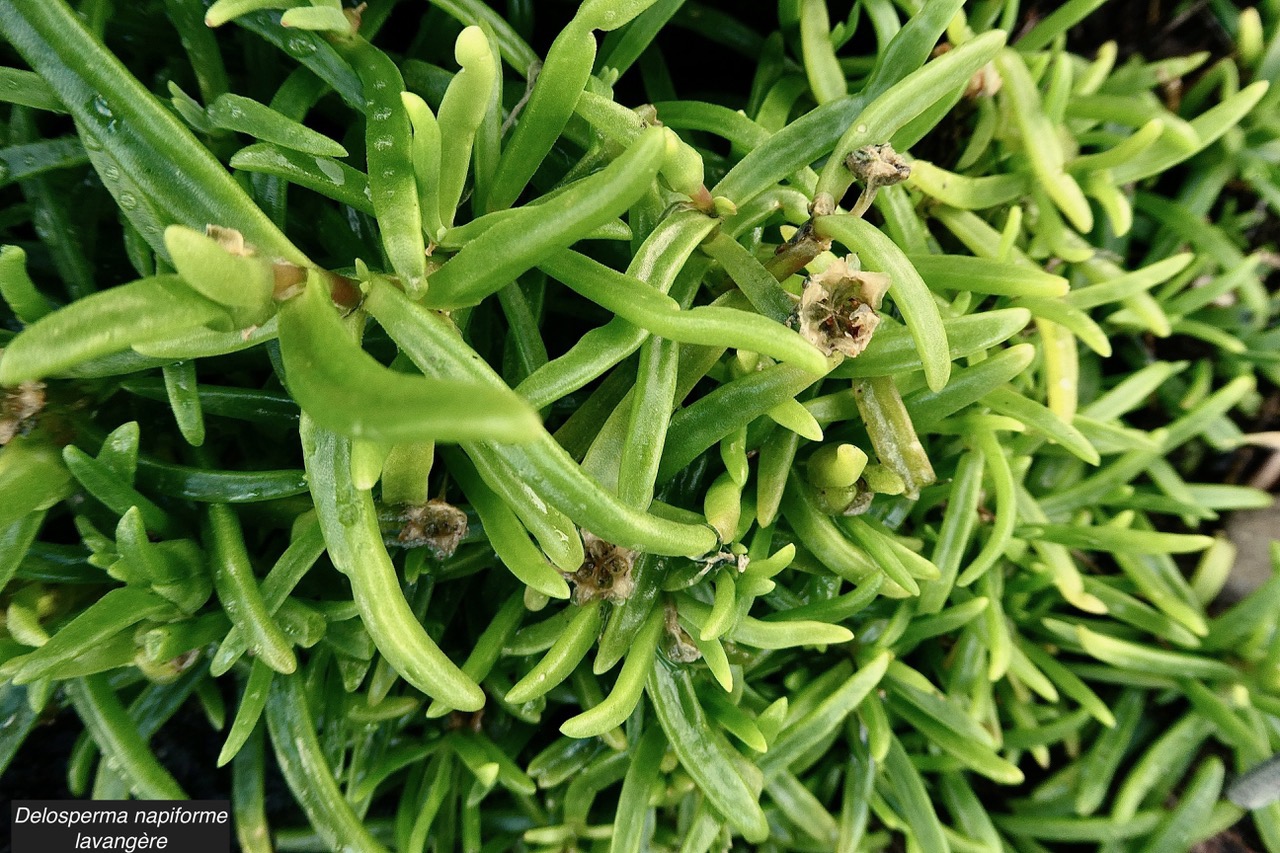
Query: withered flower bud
x,y
605,573
354,16
18,410
648,115
680,648
986,82
823,205
230,240
878,165
875,166
837,311
436,524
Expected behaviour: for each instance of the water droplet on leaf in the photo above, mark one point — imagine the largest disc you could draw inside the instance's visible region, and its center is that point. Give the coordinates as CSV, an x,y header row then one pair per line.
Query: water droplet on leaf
x,y
98,104
299,47
331,170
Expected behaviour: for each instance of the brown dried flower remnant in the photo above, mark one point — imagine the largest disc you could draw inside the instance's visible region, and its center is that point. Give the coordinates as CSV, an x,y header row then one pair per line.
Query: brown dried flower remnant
x,y
605,572
18,410
837,310
436,524
231,240
879,165
288,278
985,83
680,648
875,166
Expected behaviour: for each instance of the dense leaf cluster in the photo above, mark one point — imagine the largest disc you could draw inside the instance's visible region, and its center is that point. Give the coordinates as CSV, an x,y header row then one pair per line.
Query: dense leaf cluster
x,y
582,449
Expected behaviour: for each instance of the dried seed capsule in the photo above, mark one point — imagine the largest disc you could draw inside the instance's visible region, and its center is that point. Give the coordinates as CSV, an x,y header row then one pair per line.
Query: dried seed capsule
x,y
19,408
605,572
837,311
875,166
436,524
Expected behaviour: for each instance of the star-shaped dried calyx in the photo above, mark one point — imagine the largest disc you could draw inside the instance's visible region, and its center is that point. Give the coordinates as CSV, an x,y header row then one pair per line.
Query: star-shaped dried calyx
x,y
18,410
837,310
436,524
605,573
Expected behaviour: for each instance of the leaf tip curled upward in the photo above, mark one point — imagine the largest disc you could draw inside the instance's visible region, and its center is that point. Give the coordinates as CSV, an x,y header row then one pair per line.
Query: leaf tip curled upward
x,y
471,47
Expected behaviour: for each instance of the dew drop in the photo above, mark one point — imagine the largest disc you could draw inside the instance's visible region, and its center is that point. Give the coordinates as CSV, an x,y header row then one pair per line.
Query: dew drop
x,y
98,104
382,143
299,47
382,114
331,170
128,201
44,225
111,172
91,142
